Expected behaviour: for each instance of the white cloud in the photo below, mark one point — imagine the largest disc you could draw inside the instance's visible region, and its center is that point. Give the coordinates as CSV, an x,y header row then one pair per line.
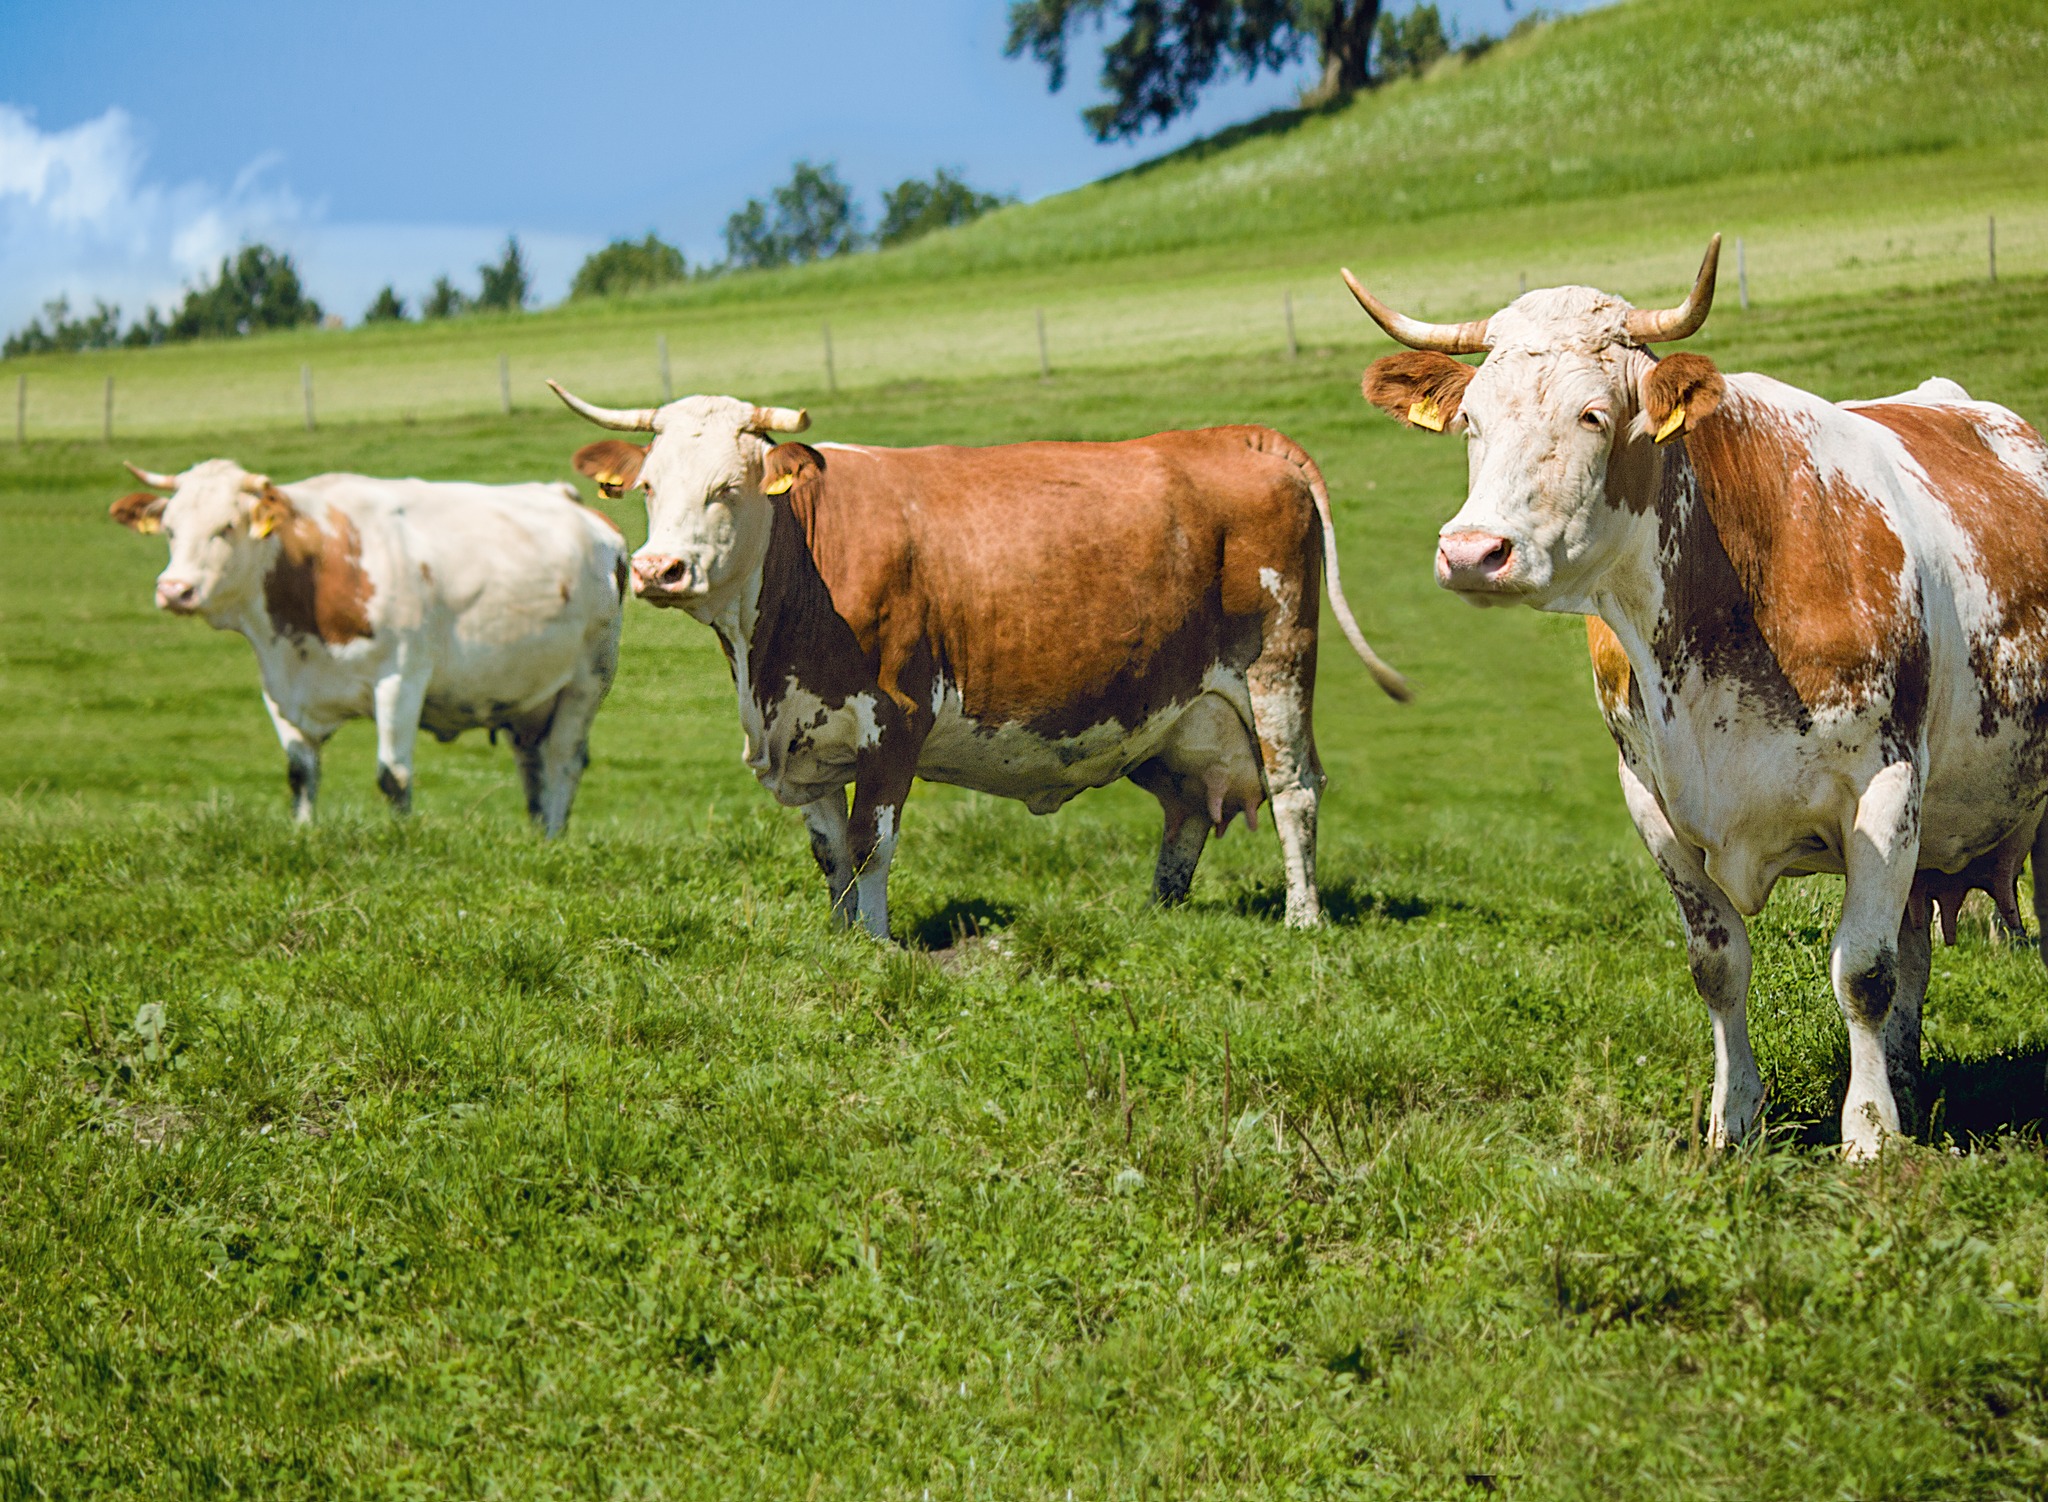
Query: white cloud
x,y
79,219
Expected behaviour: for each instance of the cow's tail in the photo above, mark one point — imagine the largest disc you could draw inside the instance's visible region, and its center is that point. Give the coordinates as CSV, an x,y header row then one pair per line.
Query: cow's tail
x,y
1393,683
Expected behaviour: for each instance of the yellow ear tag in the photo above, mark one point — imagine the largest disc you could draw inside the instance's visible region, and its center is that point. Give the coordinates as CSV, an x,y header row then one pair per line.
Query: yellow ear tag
x,y
1427,414
780,484
261,526
149,524
1671,425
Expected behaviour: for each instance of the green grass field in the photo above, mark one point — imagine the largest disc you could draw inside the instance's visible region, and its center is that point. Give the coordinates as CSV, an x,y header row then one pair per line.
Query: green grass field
x,y
422,1159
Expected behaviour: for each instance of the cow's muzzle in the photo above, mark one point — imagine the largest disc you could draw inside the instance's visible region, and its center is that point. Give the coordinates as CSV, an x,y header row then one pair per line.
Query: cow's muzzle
x,y
667,578
1475,562
178,596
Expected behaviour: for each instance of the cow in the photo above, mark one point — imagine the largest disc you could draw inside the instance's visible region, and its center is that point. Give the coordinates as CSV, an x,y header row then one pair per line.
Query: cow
x,y
1819,634
1028,620
417,603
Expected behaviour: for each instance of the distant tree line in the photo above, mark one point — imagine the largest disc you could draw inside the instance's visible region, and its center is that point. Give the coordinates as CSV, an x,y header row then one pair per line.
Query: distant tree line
x,y
257,289
505,286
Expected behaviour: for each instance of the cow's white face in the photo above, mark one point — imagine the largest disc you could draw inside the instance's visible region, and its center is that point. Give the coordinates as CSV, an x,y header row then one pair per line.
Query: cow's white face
x,y
218,553
707,520
1553,436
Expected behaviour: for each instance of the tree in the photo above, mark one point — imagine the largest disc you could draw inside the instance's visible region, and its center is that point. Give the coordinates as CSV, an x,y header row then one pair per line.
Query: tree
x,y
812,216
446,300
56,332
388,307
505,283
914,208
629,266
1170,50
257,289
1410,43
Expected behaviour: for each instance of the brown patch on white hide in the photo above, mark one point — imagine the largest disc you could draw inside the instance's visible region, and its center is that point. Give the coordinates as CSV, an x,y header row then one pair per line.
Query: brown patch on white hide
x,y
1779,578
2005,516
316,586
1611,683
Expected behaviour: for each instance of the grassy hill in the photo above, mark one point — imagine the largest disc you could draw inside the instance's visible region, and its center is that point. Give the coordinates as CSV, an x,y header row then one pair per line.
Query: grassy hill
x,y
1852,146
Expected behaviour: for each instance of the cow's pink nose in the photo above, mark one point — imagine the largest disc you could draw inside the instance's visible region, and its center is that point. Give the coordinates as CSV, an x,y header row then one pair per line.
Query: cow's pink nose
x,y
174,594
1469,560
660,574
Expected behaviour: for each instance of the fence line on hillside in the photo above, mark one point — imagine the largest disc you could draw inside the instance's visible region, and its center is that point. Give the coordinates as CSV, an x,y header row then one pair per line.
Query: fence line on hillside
x,y
445,392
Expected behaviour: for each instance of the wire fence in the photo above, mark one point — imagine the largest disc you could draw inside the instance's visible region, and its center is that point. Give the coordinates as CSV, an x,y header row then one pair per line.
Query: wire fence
x,y
768,351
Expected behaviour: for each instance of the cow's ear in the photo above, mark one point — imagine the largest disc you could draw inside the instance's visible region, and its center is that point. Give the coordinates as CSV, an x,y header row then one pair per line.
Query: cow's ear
x,y
1678,391
613,463
272,510
790,464
141,512
1419,388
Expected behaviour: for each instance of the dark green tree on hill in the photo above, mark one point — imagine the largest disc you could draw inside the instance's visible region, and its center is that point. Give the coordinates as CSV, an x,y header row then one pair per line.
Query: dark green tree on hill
x,y
808,218
914,207
388,307
256,289
629,266
506,283
1167,51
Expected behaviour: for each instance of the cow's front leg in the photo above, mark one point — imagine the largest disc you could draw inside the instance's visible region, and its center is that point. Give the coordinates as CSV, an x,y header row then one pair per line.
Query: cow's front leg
x,y
832,849
1880,851
1717,952
301,762
876,821
397,699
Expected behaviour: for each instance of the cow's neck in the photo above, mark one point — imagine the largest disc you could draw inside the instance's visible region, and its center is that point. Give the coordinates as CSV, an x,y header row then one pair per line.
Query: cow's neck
x,y
782,615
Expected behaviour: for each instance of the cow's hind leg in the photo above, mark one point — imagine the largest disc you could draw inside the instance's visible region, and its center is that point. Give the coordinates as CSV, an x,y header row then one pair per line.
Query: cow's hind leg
x,y
564,752
1902,1022
1882,847
1717,952
1181,841
832,849
1282,691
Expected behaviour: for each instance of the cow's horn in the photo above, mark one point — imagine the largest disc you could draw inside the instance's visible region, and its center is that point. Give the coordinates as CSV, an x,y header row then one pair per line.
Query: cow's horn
x,y
624,419
151,477
1648,325
1449,338
779,420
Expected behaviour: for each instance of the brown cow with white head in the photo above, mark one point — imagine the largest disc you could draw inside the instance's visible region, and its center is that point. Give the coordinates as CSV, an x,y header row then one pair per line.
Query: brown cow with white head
x,y
1028,620
1819,633
412,602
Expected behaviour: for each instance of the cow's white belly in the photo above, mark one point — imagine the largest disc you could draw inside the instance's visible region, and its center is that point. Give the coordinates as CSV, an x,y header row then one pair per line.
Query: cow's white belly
x,y
1042,772
478,685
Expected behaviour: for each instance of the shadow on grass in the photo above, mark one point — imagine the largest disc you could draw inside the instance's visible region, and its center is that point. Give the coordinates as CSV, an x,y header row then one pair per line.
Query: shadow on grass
x,y
962,918
1345,903
1968,1101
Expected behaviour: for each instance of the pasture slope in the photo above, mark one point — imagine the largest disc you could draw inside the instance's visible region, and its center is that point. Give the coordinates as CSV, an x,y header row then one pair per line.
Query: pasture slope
x,y
392,1160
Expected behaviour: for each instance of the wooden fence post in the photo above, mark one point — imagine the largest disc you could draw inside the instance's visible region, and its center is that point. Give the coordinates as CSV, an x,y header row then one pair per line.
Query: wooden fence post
x,y
668,390
505,384
1287,302
831,375
1044,355
1742,273
107,417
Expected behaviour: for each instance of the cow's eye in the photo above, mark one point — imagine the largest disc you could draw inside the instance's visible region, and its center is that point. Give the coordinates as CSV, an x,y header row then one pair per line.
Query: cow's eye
x,y
1593,420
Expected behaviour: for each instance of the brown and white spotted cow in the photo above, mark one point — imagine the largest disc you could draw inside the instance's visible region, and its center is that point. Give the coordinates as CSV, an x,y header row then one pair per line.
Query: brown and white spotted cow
x,y
1819,633
1028,620
452,606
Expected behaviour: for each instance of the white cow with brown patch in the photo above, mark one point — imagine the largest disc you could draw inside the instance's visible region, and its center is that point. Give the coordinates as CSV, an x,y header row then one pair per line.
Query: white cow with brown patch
x,y
1819,633
453,606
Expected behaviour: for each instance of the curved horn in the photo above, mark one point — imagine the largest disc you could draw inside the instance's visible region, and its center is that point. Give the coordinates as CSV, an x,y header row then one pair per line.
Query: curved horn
x,y
1646,325
623,419
779,420
151,477
253,484
1448,338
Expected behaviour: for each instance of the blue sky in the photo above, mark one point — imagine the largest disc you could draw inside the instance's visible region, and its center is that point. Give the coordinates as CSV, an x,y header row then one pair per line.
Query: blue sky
x,y
383,141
